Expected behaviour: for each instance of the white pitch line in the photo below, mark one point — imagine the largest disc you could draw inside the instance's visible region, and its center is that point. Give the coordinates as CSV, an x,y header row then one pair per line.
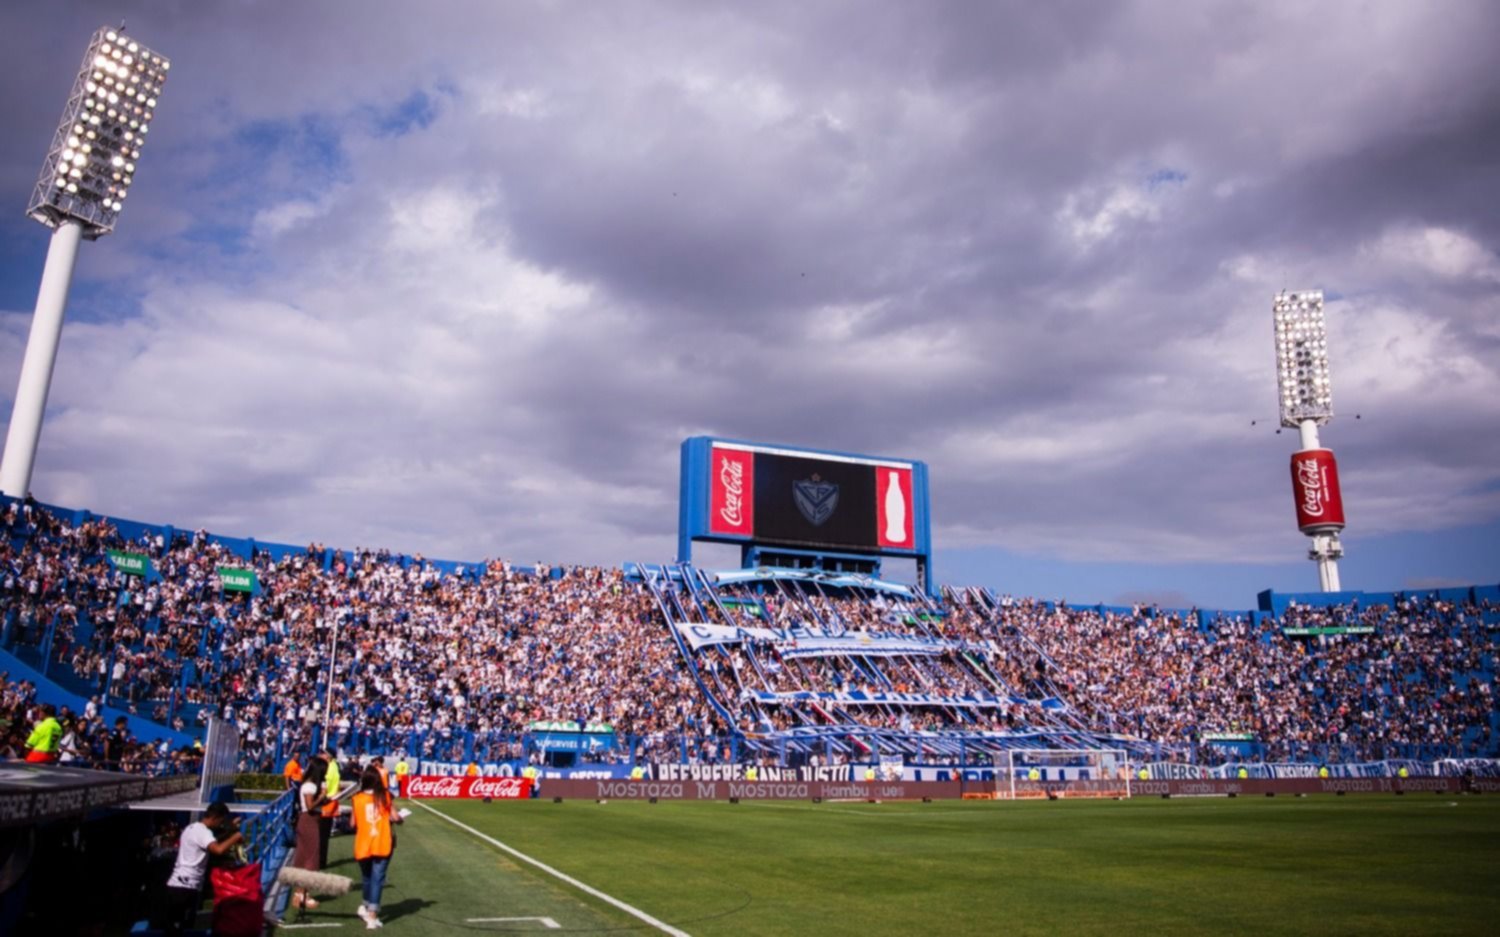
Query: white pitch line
x,y
587,889
547,922
296,926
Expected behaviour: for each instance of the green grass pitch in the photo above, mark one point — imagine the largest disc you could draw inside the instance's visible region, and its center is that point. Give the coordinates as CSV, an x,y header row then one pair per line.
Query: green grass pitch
x,y
1319,865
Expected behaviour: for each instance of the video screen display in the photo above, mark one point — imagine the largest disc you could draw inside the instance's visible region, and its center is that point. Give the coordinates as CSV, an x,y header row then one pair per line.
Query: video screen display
x,y
795,500
814,501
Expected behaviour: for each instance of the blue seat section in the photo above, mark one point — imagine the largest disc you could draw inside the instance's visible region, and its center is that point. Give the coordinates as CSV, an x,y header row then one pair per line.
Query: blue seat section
x,y
50,691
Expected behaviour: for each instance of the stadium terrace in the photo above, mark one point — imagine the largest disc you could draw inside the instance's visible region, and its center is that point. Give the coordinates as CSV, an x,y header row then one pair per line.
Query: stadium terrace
x,y
609,671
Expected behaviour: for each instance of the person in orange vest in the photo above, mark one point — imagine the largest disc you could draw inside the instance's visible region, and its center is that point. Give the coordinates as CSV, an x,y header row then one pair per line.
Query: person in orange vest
x,y
292,773
472,770
373,842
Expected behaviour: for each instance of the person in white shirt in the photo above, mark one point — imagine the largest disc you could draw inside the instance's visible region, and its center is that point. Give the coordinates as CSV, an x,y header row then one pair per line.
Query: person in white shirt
x,y
197,844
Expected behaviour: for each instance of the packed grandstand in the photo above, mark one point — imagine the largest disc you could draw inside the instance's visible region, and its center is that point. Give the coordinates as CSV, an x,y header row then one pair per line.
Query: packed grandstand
x,y
495,663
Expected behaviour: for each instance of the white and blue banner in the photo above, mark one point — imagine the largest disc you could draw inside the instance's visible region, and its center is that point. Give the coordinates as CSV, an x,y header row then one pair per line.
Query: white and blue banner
x,y
838,580
864,643
1307,769
811,642
861,698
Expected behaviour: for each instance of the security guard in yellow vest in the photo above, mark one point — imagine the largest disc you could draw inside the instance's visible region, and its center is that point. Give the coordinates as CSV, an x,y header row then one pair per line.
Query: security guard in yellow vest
x,y
402,770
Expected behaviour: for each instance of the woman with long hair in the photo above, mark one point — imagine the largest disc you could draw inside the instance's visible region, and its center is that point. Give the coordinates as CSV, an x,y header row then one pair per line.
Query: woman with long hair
x,y
373,841
310,797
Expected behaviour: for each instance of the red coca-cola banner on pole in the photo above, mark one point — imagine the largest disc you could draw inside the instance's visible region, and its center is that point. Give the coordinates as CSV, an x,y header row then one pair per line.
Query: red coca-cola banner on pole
x,y
427,786
731,503
1315,486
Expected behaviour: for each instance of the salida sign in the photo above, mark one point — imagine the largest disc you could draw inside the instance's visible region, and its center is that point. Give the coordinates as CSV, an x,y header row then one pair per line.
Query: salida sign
x,y
432,787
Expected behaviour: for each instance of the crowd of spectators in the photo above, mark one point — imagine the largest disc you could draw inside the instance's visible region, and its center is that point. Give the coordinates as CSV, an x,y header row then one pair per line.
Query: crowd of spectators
x,y
420,655
1414,680
1409,681
88,739
402,654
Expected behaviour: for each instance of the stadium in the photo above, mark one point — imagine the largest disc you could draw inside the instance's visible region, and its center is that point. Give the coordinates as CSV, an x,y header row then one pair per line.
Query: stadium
x,y
796,724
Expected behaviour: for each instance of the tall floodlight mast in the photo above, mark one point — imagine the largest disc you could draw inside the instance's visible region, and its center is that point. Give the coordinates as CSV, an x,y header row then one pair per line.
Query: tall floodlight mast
x,y
79,195
1306,397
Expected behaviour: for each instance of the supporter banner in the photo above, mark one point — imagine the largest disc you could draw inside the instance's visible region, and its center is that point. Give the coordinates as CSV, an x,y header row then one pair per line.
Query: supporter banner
x,y
1457,767
700,636
1229,736
864,644
859,697
676,771
429,787
1314,632
238,580
131,564
516,768
813,642
1172,771
837,580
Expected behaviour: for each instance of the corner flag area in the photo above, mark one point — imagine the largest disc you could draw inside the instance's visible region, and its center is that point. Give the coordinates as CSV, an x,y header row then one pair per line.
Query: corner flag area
x,y
1367,865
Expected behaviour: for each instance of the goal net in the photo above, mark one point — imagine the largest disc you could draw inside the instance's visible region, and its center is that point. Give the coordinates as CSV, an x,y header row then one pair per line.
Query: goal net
x,y
1061,772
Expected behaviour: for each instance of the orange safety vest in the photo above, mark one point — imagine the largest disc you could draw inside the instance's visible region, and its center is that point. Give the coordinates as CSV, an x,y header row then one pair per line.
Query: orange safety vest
x,y
293,771
473,770
372,827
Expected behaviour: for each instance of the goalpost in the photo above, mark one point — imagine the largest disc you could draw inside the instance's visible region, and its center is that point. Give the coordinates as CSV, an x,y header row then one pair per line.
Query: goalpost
x,y
1061,772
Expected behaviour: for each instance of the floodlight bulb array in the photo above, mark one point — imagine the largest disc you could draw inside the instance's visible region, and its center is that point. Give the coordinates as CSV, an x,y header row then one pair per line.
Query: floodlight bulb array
x,y
93,158
1303,386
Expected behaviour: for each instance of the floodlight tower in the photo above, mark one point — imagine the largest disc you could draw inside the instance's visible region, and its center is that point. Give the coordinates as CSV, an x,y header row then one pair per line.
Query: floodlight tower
x,y
79,195
1306,403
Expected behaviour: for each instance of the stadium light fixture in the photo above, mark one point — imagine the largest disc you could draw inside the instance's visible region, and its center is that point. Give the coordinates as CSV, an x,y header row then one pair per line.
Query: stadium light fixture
x,y
80,193
1302,358
1305,393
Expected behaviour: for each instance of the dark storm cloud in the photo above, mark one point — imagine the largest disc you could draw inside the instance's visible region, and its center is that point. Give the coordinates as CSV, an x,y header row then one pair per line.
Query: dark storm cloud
x,y
461,281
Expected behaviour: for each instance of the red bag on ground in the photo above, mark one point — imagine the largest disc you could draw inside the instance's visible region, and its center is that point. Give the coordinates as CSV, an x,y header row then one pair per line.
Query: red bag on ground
x,y
237,901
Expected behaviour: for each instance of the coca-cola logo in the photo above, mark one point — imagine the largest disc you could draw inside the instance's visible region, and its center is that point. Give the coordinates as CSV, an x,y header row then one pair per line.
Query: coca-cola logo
x,y
1310,477
732,478
435,787
497,787
456,786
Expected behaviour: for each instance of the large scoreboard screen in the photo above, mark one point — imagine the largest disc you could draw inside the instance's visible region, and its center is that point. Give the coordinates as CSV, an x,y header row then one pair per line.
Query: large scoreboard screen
x,y
746,492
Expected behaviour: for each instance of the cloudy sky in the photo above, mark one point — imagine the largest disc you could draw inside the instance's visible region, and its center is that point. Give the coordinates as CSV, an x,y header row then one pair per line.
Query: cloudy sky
x,y
459,277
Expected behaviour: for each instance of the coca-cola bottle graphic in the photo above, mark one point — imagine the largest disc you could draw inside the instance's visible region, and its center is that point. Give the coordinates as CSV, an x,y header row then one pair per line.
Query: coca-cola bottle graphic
x,y
895,510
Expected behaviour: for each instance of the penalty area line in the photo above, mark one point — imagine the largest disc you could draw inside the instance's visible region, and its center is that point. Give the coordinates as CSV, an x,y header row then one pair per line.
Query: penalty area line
x,y
634,912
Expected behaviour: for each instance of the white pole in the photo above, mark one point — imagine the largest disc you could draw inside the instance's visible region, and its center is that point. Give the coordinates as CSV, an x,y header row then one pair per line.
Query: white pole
x,y
1309,432
41,355
328,700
